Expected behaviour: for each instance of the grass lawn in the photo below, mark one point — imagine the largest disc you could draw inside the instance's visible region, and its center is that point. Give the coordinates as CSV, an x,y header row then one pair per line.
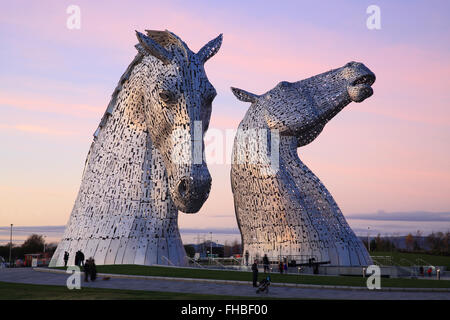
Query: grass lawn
x,y
20,291
282,278
397,256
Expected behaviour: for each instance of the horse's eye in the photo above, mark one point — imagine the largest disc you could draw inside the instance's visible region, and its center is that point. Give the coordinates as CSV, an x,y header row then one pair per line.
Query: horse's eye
x,y
167,96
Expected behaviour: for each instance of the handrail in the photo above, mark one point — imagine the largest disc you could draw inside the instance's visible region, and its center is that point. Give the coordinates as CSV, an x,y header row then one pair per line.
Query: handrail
x,y
299,258
164,257
426,263
219,263
411,265
195,262
376,260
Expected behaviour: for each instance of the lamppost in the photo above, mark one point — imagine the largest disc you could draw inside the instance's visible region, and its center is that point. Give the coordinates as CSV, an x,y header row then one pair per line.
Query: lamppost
x,y
211,245
10,246
368,238
280,253
217,247
44,243
254,256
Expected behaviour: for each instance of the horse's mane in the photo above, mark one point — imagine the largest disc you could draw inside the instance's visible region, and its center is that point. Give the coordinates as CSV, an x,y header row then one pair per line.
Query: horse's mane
x,y
164,38
112,102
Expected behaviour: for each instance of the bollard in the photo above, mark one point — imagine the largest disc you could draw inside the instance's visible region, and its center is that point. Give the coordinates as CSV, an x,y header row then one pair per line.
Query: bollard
x,y
438,274
364,272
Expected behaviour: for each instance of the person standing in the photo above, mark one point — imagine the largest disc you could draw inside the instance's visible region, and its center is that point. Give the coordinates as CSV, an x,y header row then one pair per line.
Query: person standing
x,y
246,257
87,270
66,258
280,267
93,269
77,258
255,273
81,258
315,268
266,263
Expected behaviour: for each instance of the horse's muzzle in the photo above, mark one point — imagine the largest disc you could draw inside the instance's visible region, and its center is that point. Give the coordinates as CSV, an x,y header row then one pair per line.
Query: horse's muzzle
x,y
190,193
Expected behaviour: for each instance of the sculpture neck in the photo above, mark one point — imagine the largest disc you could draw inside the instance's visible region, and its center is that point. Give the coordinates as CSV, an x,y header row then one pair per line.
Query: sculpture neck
x,y
288,147
290,161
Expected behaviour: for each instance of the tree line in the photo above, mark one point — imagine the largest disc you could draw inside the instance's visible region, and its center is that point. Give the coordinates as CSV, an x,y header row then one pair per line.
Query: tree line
x,y
227,250
35,243
437,243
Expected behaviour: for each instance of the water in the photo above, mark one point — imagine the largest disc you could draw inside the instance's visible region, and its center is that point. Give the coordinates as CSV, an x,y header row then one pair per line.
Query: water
x,y
53,234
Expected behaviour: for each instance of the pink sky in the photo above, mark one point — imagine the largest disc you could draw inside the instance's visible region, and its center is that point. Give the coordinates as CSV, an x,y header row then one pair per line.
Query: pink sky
x,y
389,153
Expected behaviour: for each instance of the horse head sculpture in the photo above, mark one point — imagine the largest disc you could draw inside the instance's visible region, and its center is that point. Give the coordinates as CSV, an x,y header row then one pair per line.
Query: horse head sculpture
x,y
303,108
288,211
146,161
177,104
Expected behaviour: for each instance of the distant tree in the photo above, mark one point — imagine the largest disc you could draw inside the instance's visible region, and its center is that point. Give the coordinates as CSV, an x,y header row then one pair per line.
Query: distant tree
x,y
409,242
418,241
34,244
4,251
219,251
50,248
16,252
416,245
396,240
373,245
391,245
440,246
443,244
227,249
378,243
431,241
436,242
447,243
190,250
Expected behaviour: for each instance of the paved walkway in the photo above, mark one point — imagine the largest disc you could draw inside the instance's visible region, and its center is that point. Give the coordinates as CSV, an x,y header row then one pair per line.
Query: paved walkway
x,y
28,275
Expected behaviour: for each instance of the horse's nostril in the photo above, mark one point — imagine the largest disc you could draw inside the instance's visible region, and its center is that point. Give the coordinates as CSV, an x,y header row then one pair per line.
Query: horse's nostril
x,y
188,188
182,187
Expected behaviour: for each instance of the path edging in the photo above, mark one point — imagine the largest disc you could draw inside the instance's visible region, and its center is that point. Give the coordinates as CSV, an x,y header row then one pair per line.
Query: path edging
x,y
294,285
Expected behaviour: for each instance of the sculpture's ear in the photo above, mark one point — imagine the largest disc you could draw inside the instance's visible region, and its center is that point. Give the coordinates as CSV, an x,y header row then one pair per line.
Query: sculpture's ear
x,y
149,46
210,49
244,95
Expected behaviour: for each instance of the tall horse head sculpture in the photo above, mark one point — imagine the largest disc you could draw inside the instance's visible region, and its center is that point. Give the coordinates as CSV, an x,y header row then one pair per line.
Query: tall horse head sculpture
x,y
287,211
146,161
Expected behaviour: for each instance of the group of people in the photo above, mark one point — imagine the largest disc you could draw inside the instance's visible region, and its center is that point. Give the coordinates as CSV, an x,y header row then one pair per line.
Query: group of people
x,y
90,270
79,258
89,267
422,271
282,267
